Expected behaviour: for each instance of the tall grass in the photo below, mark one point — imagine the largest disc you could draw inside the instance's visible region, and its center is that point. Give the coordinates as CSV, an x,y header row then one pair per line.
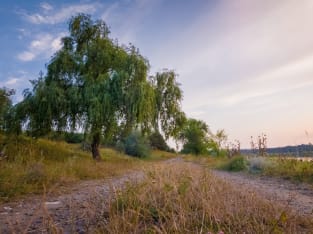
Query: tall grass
x,y
32,165
184,198
289,169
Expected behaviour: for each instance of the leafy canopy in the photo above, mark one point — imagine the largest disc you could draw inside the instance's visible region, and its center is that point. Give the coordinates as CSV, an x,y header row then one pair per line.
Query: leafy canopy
x,y
195,137
98,86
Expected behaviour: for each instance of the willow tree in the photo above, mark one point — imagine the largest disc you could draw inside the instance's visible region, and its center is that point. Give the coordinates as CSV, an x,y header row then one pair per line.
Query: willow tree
x,y
168,115
92,84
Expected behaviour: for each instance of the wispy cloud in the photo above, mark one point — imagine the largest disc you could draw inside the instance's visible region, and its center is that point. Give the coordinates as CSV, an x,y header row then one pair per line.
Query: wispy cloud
x,y
18,81
26,56
50,15
46,6
11,81
44,45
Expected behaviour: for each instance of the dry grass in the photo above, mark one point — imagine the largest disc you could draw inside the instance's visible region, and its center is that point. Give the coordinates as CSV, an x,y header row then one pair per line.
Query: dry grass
x,y
184,198
291,169
34,164
283,167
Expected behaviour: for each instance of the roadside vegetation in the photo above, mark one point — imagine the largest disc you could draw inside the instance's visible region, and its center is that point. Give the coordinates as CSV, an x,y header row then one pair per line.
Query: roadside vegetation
x,y
185,198
35,166
286,168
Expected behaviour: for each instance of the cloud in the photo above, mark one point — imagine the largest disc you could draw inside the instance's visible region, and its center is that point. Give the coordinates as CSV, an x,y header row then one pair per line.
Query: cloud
x,y
51,16
18,81
12,81
43,46
46,6
26,56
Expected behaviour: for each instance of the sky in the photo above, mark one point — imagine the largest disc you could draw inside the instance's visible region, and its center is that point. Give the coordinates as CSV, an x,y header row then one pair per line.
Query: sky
x,y
244,66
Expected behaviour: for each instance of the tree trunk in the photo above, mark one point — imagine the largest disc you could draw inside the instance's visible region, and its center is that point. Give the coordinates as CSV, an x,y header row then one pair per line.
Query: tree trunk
x,y
95,146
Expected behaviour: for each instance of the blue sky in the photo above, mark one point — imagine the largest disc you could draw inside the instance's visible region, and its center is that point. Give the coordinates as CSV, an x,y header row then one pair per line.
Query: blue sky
x,y
245,66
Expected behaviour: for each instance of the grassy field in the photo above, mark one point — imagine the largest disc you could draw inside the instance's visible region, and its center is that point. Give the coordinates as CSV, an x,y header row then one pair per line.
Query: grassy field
x,y
184,198
34,165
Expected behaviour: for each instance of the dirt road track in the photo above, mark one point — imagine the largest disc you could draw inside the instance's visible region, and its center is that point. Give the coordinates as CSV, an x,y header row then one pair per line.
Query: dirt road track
x,y
78,209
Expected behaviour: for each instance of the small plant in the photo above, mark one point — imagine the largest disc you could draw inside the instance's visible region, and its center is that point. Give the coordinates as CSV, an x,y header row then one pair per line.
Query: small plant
x,y
238,163
233,149
259,164
260,146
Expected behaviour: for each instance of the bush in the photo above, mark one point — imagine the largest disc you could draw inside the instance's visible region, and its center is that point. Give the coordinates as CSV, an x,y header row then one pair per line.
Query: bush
x,y
238,163
259,164
157,142
72,137
137,145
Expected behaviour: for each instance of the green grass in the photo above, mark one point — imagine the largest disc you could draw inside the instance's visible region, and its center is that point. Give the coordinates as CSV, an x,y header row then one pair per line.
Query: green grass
x,y
35,165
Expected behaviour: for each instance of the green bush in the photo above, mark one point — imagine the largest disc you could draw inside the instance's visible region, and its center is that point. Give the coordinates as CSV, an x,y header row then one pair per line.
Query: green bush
x,y
238,163
157,142
137,145
72,137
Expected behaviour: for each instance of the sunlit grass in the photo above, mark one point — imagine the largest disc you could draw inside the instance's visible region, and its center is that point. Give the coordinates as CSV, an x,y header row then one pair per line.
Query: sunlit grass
x,y
35,165
184,198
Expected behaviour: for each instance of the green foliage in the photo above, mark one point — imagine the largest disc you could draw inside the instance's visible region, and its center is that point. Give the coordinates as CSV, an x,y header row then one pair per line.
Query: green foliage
x,y
288,168
5,107
137,145
72,137
195,137
95,84
157,142
168,96
238,163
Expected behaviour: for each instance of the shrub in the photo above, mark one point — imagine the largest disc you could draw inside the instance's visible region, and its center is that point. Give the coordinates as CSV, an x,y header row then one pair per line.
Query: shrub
x,y
157,142
72,137
137,145
259,164
238,163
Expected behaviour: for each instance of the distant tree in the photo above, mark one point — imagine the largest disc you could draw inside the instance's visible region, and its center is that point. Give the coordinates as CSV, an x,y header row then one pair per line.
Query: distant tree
x,y
168,96
5,107
216,142
220,137
195,137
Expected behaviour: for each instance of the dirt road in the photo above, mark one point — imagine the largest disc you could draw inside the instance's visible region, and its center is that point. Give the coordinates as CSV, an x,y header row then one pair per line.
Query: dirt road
x,y
298,196
84,204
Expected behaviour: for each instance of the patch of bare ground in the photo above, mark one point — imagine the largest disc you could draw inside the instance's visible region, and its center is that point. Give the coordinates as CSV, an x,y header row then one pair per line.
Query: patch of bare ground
x,y
75,211
297,196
